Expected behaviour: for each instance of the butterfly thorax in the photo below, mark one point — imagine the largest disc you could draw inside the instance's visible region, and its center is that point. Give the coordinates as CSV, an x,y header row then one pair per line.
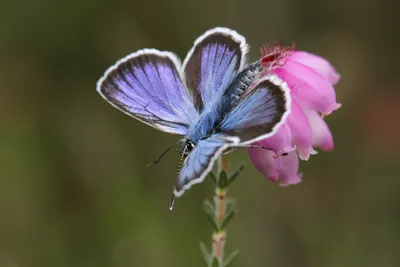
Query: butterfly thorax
x,y
213,114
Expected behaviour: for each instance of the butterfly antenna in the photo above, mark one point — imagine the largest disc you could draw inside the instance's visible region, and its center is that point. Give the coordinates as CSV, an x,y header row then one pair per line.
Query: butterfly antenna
x,y
162,155
172,200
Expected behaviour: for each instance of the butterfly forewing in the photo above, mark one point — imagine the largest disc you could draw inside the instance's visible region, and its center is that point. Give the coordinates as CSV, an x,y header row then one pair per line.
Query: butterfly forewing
x,y
212,64
147,86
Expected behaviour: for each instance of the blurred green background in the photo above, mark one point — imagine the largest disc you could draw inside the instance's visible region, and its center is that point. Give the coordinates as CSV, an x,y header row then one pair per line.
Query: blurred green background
x,y
74,189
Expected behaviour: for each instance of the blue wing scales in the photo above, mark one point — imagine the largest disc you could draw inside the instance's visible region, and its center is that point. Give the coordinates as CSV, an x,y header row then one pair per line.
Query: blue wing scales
x,y
147,86
259,112
211,65
201,160
257,115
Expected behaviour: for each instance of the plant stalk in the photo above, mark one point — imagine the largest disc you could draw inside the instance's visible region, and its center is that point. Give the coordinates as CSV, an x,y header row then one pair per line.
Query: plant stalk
x,y
219,237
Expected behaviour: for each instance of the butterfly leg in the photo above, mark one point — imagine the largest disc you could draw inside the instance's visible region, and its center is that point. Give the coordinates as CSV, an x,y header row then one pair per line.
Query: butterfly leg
x,y
233,148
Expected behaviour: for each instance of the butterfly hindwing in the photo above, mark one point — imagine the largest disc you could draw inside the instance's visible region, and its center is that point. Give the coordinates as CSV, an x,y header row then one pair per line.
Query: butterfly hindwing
x,y
147,86
212,64
201,160
259,112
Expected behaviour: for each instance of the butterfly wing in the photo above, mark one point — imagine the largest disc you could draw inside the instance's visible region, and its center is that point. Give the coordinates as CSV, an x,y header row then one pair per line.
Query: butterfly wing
x,y
212,64
147,86
257,115
201,160
259,112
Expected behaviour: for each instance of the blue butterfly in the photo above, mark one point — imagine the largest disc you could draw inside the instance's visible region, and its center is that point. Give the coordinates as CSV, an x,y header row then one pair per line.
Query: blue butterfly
x,y
215,100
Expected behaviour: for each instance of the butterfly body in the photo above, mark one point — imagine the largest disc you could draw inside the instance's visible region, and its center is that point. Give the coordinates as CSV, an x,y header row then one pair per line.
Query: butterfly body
x,y
210,118
215,100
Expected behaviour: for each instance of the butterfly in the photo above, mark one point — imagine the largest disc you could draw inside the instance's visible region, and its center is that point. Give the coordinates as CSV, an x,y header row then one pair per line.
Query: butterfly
x,y
215,100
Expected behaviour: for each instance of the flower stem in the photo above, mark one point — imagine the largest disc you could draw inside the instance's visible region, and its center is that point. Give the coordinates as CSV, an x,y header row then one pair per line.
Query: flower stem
x,y
219,237
220,213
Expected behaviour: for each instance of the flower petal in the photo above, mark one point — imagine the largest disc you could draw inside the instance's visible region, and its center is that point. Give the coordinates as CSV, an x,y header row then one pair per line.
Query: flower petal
x,y
322,136
301,131
308,86
317,63
288,167
280,142
265,161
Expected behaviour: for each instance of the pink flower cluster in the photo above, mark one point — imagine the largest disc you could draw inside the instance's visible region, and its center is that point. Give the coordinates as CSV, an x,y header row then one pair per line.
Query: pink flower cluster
x,y
310,79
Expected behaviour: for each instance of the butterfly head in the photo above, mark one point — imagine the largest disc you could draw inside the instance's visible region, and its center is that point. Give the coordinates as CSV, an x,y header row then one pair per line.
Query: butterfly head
x,y
189,145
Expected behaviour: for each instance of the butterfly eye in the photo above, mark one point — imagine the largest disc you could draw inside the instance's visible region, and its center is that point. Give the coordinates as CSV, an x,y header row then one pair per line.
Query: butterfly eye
x,y
189,146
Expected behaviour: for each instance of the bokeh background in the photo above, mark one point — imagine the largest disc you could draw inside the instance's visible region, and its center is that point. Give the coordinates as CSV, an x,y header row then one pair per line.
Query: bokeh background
x,y
74,189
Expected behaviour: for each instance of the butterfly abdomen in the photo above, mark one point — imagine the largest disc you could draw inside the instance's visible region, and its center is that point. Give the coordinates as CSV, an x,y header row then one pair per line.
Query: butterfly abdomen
x,y
242,83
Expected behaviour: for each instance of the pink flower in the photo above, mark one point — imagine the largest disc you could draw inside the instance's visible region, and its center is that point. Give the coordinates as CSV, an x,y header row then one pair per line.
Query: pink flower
x,y
310,79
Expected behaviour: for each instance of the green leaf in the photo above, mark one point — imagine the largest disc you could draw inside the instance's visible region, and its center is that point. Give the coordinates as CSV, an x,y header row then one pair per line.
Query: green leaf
x,y
229,205
228,261
209,207
210,212
215,262
235,173
223,180
205,253
213,177
228,217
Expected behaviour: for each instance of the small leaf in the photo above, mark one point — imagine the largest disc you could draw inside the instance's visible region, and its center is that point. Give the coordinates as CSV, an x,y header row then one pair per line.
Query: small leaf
x,y
235,173
231,258
223,180
230,201
215,262
229,205
205,253
228,217
210,212
213,177
208,207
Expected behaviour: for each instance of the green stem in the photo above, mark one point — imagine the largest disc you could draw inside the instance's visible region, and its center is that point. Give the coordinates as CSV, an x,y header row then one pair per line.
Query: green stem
x,y
219,237
220,213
